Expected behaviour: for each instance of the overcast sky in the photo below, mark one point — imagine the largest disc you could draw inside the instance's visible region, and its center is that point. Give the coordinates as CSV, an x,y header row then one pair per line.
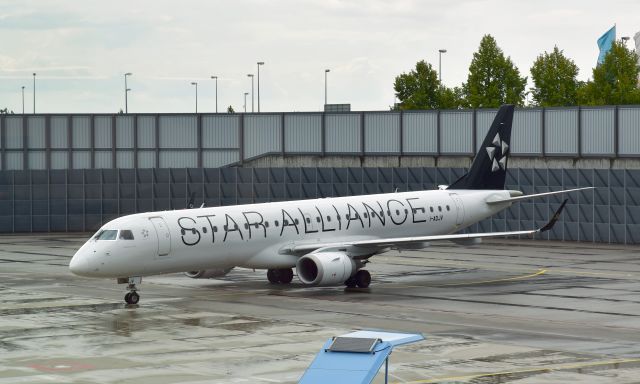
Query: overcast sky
x,y
81,49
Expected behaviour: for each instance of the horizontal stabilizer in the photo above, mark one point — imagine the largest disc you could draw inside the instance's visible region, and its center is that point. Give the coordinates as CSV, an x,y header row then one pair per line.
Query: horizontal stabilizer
x,y
495,200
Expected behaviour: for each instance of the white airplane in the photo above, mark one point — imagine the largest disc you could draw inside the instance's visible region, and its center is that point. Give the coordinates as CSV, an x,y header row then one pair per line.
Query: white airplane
x,y
328,241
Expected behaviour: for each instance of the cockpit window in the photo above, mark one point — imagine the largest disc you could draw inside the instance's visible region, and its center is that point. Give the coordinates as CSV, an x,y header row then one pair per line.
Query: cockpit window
x,y
108,234
126,234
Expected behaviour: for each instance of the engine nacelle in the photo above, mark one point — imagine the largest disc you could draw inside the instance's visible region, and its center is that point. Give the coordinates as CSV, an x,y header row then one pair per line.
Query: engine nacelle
x,y
208,273
325,268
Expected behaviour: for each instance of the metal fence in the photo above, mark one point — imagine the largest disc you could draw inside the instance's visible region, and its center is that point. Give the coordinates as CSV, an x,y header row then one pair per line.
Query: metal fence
x,y
82,200
217,140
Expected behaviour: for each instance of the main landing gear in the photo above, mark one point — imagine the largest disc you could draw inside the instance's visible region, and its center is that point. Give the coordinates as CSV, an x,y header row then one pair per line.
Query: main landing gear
x,y
132,297
361,279
280,276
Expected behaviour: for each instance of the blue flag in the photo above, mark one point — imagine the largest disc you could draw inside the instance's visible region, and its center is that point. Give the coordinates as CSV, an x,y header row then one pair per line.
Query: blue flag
x,y
604,43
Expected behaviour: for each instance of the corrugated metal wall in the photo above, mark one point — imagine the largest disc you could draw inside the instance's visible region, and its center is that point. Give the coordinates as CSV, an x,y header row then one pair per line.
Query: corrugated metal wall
x,y
262,134
59,132
303,133
124,131
382,133
629,131
526,134
36,138
220,132
149,141
343,133
420,133
561,131
597,134
456,132
178,131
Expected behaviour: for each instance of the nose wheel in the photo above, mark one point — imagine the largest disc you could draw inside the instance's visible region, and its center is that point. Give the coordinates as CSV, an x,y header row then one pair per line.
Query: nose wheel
x,y
132,297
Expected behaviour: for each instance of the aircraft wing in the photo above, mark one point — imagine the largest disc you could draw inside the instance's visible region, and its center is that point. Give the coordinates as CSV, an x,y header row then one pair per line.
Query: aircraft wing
x,y
375,245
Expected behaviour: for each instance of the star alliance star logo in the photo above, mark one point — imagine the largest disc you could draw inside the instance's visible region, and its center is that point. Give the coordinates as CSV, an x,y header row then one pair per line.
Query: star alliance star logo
x,y
498,160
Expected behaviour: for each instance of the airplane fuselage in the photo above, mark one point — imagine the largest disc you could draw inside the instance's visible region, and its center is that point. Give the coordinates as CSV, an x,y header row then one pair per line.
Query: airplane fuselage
x,y
256,235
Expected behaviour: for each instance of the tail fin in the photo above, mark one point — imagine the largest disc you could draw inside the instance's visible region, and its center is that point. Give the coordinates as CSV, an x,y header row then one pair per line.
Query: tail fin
x,y
489,167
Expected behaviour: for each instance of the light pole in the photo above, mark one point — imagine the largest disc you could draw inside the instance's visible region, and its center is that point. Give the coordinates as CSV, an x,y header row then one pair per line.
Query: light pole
x,y
196,84
34,93
245,101
259,64
126,91
440,52
251,76
216,79
23,99
325,85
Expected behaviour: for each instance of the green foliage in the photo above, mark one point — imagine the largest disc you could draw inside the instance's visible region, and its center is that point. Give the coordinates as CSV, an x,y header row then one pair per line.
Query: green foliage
x,y
554,78
230,110
418,89
615,81
451,98
421,89
493,79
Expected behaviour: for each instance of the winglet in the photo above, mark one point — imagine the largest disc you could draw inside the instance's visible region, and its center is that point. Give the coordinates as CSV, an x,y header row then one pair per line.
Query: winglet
x,y
554,218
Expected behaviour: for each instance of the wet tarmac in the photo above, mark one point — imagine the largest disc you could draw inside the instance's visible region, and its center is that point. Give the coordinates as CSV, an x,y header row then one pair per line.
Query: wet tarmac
x,y
501,312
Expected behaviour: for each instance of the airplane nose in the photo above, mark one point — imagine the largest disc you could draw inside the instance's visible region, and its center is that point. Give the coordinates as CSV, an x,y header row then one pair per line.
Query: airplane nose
x,y
79,265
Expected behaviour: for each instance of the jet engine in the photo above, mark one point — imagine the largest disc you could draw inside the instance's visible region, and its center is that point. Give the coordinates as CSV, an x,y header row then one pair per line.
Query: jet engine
x,y
208,273
325,268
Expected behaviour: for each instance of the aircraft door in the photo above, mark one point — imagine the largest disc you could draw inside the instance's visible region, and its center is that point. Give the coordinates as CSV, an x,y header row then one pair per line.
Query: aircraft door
x,y
310,224
459,208
164,236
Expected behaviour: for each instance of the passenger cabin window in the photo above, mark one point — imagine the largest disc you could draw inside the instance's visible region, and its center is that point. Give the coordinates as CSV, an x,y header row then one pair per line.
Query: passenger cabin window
x,y
109,234
126,234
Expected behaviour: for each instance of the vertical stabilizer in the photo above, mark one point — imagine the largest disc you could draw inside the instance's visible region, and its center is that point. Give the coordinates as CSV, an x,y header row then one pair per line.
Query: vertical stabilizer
x,y
489,167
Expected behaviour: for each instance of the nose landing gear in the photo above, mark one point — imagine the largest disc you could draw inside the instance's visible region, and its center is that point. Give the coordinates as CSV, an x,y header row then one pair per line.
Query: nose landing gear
x,y
132,297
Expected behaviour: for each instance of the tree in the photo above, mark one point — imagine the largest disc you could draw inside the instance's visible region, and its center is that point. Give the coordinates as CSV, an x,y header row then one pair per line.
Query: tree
x,y
555,80
418,89
493,78
450,98
421,89
615,81
230,110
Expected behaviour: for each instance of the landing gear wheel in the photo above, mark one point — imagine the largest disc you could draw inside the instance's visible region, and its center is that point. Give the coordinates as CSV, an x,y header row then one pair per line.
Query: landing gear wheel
x,y
362,278
285,276
132,298
272,276
351,282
